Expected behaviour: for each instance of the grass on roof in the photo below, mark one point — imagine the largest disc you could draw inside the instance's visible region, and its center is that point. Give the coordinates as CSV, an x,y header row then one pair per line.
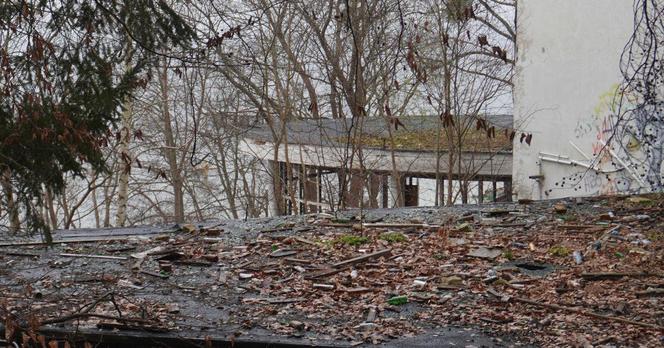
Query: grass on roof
x,y
473,140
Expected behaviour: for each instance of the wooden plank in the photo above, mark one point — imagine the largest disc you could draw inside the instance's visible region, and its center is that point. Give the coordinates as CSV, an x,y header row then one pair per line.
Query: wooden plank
x,y
294,260
651,293
199,263
284,300
397,225
18,253
304,240
132,327
325,273
613,275
90,256
63,241
155,274
362,258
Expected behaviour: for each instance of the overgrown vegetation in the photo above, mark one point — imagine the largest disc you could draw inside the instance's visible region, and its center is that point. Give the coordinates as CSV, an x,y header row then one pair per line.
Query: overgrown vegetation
x,y
393,237
350,240
474,140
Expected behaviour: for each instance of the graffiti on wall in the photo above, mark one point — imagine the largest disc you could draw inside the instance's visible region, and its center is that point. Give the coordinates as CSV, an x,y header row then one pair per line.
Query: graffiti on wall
x,y
627,125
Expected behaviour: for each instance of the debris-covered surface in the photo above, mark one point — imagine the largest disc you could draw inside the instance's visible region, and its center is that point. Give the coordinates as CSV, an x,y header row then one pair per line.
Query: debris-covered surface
x,y
586,272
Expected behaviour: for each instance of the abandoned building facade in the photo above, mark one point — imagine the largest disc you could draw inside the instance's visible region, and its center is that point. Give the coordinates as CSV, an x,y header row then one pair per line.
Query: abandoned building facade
x,y
591,133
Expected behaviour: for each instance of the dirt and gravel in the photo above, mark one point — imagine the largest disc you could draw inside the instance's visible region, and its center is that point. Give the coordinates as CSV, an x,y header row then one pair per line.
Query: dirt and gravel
x,y
578,272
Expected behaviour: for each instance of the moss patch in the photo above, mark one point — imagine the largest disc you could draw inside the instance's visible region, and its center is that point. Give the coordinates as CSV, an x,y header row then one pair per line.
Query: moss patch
x,y
349,239
559,251
472,140
393,237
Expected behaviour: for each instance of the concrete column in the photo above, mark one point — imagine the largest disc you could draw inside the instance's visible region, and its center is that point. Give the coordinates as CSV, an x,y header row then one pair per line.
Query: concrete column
x,y
480,189
508,190
494,193
441,192
311,189
393,193
411,193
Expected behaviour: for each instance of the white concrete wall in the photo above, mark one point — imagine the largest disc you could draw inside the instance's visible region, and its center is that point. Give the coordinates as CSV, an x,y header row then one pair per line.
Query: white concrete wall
x,y
568,63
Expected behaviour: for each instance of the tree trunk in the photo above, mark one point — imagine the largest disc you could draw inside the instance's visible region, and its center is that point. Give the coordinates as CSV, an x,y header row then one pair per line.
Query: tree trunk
x,y
12,207
170,149
50,206
125,161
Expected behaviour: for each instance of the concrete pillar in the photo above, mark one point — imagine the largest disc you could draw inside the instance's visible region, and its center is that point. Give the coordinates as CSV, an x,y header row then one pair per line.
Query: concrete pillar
x,y
393,193
440,200
508,190
480,189
385,190
411,193
494,192
311,190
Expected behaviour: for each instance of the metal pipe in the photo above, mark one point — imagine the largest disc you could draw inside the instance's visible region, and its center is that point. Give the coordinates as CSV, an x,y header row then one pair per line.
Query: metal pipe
x,y
622,163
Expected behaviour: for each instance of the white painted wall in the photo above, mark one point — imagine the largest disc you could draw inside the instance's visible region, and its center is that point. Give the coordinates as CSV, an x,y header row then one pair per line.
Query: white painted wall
x,y
569,55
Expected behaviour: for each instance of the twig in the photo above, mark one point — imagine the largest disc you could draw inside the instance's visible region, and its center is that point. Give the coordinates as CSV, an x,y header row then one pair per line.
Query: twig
x,y
90,306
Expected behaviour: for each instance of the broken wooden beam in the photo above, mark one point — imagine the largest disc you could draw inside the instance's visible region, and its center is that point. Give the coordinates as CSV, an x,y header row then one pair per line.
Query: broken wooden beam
x,y
324,273
18,253
362,258
155,274
86,315
304,240
577,227
64,241
651,293
590,276
397,225
199,263
90,256
132,327
294,260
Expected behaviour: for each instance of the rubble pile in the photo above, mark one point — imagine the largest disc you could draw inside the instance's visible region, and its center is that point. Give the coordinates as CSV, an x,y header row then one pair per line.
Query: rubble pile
x,y
584,272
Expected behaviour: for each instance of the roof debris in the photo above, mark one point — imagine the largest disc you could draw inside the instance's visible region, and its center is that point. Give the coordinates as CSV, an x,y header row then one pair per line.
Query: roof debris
x,y
537,274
